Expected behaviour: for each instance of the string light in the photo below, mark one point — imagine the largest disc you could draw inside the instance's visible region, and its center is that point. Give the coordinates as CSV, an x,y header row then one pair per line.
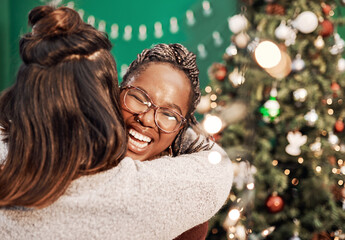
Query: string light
x,y
217,39
81,13
275,162
142,32
286,172
340,182
190,17
232,197
202,51
158,30
124,68
213,97
101,26
213,104
173,25
208,89
267,231
340,161
231,236
212,124
128,33
318,169
91,20
234,214
207,8
250,186
114,31
330,111
214,157
70,5
300,160
267,54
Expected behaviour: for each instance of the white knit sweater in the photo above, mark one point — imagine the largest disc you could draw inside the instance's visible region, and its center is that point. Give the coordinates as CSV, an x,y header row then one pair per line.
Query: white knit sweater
x,y
157,199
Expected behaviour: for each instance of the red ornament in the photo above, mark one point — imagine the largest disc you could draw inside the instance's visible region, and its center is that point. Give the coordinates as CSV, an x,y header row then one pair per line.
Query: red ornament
x,y
338,192
275,9
339,126
216,137
321,236
326,8
332,160
221,73
217,71
335,86
327,28
275,203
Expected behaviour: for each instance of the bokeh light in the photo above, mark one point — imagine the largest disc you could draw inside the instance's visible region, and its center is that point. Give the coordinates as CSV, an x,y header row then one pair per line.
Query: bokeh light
x,y
267,54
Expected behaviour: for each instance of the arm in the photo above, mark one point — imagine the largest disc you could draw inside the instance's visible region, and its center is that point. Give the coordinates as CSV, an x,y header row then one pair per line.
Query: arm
x,y
157,199
172,195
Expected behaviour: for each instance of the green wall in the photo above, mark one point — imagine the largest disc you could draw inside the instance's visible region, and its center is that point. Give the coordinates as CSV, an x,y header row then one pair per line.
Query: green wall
x,y
4,44
13,19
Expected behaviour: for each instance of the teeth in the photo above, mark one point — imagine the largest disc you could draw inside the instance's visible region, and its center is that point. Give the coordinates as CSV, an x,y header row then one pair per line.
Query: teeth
x,y
139,136
137,144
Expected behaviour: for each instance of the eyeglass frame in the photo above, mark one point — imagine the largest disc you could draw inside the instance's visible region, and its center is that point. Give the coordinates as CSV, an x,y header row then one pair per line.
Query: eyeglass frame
x,y
151,106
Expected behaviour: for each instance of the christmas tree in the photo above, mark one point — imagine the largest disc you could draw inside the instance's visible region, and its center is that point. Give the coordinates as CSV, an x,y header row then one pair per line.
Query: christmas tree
x,y
276,105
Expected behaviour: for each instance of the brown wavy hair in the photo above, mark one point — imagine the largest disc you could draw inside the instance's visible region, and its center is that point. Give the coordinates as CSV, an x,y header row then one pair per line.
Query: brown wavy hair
x,y
61,118
180,58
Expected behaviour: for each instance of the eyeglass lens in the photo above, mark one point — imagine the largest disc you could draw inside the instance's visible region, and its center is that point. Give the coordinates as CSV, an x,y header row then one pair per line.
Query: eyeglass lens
x,y
138,102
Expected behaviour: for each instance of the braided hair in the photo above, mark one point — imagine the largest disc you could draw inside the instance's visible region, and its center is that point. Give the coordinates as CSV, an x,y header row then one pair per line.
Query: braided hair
x,y
180,58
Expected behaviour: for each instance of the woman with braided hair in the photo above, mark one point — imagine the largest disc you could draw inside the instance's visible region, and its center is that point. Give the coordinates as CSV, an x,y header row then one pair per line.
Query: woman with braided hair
x,y
63,174
168,73
160,92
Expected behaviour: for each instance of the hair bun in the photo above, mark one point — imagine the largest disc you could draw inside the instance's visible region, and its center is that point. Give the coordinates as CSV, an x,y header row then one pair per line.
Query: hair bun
x,y
48,21
38,13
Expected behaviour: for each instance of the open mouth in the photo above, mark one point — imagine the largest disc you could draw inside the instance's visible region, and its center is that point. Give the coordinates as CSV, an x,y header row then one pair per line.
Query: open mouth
x,y
137,141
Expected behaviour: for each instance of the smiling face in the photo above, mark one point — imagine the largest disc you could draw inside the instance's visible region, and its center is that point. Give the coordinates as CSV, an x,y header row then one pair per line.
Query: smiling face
x,y
167,87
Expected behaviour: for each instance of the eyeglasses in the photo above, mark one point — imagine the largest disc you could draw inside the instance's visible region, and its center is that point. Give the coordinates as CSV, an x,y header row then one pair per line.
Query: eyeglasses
x,y
137,101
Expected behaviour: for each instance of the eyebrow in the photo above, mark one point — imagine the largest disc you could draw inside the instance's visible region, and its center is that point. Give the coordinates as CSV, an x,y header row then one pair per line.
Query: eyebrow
x,y
170,105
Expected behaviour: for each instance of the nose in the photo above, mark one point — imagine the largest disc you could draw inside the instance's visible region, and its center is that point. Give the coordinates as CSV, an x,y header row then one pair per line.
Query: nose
x,y
148,119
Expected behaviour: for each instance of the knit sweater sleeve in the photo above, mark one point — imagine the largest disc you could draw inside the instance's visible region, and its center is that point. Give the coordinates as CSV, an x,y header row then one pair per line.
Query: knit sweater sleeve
x,y
157,199
184,191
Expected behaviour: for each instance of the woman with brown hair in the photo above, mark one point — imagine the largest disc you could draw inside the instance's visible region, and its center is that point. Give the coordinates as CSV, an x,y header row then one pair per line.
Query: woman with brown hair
x,y
64,175
64,98
160,92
